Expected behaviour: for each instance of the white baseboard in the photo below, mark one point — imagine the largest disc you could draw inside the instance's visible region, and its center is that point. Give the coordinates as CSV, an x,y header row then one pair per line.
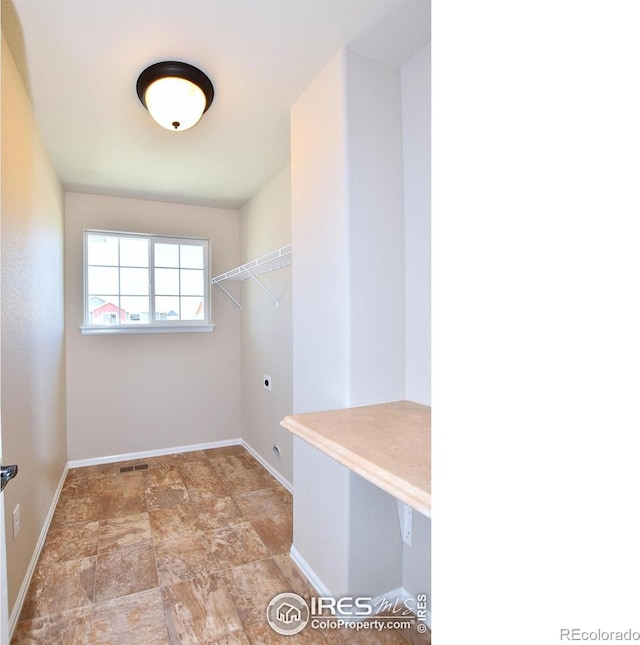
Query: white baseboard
x,y
267,466
395,595
309,573
24,587
145,454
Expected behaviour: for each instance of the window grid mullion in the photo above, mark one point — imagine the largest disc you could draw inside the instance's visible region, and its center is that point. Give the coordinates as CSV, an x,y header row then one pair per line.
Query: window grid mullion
x,y
179,282
119,283
151,241
152,281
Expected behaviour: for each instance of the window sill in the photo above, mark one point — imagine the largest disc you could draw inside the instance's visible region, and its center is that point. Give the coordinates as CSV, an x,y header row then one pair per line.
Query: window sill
x,y
140,329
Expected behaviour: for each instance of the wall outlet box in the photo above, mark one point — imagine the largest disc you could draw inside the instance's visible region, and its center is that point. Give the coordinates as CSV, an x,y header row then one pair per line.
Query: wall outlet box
x,y
16,521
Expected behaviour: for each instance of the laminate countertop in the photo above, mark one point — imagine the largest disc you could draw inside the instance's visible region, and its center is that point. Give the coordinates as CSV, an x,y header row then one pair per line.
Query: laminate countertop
x,y
389,444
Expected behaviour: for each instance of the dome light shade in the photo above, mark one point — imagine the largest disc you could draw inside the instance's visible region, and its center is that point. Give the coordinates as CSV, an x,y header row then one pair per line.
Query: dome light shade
x,y
176,94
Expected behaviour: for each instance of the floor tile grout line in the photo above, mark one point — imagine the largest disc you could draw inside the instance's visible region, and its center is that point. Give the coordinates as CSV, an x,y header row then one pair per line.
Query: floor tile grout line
x,y
95,574
231,494
224,584
155,559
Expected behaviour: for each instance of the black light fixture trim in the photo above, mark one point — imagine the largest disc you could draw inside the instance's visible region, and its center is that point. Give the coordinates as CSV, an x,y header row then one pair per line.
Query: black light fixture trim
x,y
178,69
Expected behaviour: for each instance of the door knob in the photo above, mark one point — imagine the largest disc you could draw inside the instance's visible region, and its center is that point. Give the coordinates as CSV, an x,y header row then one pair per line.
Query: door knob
x,y
8,473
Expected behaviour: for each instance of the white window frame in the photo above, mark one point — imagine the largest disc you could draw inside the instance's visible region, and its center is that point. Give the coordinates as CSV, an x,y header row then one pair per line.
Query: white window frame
x,y
153,326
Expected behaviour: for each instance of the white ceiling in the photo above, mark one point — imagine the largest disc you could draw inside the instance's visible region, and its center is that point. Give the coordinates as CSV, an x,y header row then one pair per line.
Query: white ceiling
x,y
80,61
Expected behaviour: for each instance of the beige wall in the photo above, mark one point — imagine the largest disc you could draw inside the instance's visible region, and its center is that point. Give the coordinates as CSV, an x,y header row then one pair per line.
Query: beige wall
x,y
32,338
265,225
138,392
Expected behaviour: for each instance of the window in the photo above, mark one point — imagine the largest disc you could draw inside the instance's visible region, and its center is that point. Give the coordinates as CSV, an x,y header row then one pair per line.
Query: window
x,y
141,283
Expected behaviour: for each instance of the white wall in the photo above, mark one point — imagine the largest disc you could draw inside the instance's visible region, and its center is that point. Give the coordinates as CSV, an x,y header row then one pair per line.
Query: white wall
x,y
321,333
348,230
349,324
416,559
416,119
376,231
32,338
130,393
321,516
265,225
320,278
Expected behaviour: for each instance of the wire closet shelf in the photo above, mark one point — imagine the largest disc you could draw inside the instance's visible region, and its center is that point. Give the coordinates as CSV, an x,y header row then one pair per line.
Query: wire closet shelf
x,y
270,262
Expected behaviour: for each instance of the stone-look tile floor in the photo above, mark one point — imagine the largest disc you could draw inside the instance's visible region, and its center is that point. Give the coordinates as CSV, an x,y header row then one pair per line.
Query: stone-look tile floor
x,y
189,550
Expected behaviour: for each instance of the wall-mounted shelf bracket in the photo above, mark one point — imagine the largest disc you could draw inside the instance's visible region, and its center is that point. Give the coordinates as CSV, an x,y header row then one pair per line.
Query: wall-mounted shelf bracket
x,y
405,516
266,289
270,262
230,296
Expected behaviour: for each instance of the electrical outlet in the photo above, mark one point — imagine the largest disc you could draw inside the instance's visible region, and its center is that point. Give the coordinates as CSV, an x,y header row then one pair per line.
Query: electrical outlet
x,y
266,382
16,521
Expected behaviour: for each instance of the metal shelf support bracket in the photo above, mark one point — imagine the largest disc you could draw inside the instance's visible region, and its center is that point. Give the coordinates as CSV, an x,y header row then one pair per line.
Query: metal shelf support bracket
x,y
230,296
267,290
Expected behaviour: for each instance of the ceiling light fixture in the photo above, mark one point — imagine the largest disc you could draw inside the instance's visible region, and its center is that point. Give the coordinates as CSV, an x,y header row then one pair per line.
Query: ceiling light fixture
x,y
176,94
